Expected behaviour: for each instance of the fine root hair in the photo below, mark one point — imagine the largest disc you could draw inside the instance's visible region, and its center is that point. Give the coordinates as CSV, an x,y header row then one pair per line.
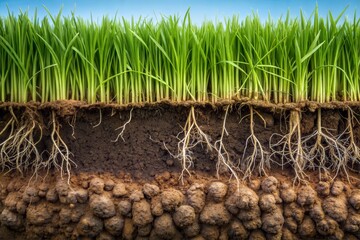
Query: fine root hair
x,y
18,150
254,155
289,147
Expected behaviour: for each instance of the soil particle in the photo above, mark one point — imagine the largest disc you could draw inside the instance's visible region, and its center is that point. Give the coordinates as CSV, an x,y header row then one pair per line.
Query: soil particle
x,y
71,197
96,186
217,191
338,235
109,185
184,216
104,236
102,206
192,230
81,195
164,227
11,220
249,214
336,208
272,222
257,235
288,235
114,225
323,188
136,196
89,226
52,196
306,196
170,199
307,228
43,188
210,232
277,236
30,195
352,223
129,230
243,198
215,214
269,184
62,187
150,190
21,207
144,231
291,224
156,206
288,195
77,213
141,213
39,214
337,188
124,207
65,215
196,197
294,211
237,230
355,199
11,200
317,213
253,224
267,203
327,226
255,184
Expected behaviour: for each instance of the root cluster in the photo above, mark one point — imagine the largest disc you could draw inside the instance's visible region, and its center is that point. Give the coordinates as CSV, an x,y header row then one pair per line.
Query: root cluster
x,y
20,150
321,150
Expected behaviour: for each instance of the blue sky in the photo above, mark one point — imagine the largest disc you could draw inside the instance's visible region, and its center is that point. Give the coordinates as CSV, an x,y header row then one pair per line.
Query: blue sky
x,y
200,10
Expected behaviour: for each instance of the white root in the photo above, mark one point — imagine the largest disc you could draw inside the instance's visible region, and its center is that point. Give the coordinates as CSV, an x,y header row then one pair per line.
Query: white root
x,y
59,156
100,119
18,150
290,147
192,136
120,135
353,150
259,156
223,155
326,143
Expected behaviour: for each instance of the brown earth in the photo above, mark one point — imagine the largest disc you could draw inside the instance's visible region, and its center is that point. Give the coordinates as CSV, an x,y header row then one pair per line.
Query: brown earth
x,y
109,196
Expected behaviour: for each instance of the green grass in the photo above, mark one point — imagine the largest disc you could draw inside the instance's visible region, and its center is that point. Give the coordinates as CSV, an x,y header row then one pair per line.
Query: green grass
x,y
121,61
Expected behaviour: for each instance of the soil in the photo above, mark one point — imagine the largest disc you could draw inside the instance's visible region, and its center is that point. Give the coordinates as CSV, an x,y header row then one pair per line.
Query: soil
x,y
131,188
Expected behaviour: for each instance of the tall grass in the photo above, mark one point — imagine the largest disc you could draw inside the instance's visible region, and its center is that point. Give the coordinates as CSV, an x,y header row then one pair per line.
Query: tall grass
x,y
121,61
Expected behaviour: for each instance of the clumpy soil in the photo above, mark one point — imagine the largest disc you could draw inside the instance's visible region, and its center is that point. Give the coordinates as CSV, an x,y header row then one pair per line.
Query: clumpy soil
x,y
131,188
105,206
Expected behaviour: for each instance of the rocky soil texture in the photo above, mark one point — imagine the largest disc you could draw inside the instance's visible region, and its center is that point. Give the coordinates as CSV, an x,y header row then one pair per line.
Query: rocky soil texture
x,y
108,207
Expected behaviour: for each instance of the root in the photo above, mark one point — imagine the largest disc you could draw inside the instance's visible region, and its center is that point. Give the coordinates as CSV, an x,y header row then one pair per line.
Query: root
x,y
192,136
353,150
18,151
123,128
325,144
100,119
290,147
59,156
223,155
258,157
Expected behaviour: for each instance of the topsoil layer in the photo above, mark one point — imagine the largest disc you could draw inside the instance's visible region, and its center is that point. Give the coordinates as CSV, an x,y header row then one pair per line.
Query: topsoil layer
x,y
151,138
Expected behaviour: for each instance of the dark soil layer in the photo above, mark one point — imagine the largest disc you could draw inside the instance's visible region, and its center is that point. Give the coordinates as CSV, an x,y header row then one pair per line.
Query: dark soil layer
x,y
151,137
107,207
